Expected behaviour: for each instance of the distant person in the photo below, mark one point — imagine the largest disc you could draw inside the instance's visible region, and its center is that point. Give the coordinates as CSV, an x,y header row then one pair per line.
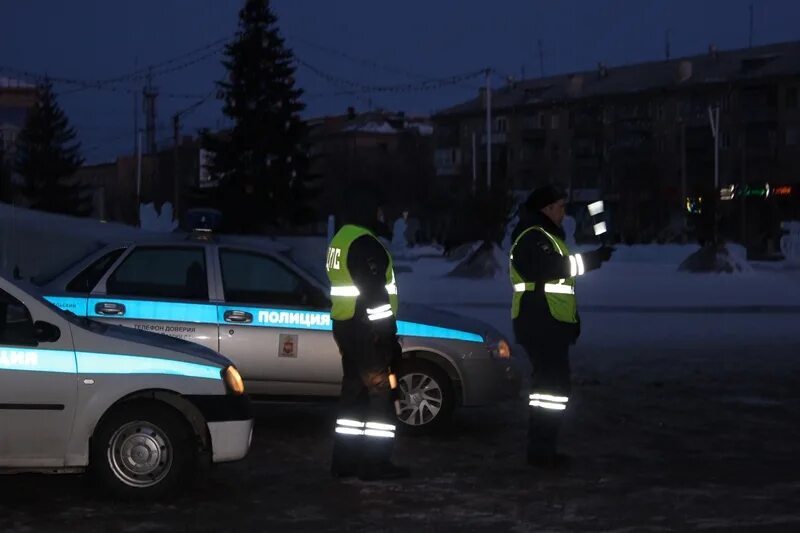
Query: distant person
x,y
545,315
364,309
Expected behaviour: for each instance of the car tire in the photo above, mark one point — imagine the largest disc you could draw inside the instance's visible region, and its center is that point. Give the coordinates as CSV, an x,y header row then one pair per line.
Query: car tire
x,y
143,450
426,395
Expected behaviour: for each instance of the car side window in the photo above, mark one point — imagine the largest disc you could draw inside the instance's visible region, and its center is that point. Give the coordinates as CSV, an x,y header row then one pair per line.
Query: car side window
x,y
88,278
16,324
254,278
161,272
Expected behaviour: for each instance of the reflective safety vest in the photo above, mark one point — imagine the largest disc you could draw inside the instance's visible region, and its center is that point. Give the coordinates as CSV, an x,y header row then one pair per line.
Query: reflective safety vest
x,y
343,290
560,294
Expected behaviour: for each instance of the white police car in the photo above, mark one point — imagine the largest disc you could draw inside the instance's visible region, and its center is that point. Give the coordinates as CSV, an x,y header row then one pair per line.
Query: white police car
x,y
249,300
140,411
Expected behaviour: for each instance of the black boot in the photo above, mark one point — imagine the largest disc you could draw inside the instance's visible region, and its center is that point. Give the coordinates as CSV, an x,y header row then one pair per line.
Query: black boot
x,y
376,463
346,452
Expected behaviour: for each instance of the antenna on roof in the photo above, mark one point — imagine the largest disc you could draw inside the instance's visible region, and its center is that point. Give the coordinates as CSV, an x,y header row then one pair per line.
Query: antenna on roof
x,y
541,58
666,44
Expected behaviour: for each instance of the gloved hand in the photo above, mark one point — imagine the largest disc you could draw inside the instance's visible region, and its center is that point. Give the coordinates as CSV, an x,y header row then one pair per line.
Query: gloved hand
x,y
604,253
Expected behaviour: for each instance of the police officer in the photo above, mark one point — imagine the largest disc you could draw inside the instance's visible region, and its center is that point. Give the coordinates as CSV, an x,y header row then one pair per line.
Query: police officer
x,y
544,313
364,305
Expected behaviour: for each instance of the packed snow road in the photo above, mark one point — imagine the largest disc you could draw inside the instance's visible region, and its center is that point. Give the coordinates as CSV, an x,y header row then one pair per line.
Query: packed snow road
x,y
677,423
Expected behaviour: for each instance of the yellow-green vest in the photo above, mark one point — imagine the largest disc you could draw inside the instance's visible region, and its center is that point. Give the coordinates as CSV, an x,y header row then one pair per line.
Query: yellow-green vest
x,y
343,290
560,294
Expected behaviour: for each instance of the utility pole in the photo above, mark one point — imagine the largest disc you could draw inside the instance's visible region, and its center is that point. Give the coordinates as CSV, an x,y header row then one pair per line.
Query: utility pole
x,y
150,94
474,162
139,177
750,38
176,177
488,129
666,45
135,112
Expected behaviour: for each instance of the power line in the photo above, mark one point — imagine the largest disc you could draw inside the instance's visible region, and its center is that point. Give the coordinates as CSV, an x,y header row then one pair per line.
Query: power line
x,y
109,84
369,63
356,87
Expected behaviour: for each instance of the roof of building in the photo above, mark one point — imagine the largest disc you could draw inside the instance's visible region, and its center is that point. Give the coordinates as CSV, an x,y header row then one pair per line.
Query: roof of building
x,y
378,122
12,83
774,60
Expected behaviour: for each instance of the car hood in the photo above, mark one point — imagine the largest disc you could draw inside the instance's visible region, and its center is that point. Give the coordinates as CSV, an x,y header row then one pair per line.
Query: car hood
x,y
429,316
156,340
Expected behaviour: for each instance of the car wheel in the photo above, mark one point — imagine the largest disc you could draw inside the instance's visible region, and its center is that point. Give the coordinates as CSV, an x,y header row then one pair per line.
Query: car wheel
x,y
142,450
426,396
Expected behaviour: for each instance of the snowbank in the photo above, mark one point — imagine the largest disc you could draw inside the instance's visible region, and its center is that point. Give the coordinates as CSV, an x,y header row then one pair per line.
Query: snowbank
x,y
38,242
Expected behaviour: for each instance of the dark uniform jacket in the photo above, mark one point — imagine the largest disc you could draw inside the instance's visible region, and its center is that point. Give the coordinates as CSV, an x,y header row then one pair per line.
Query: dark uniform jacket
x,y
367,261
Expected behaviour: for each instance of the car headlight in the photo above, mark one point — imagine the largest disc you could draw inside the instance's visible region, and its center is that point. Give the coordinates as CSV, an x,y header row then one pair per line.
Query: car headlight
x,y
233,380
501,349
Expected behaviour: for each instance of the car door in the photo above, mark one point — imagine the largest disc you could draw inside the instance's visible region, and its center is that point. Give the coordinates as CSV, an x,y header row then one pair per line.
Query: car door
x,y
275,326
38,383
162,289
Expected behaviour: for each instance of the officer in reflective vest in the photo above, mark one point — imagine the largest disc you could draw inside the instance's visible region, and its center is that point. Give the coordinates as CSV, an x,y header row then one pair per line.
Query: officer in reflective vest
x,y
545,315
364,307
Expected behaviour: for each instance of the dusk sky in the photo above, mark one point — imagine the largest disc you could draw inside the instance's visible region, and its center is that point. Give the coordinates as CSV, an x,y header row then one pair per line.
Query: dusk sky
x,y
387,43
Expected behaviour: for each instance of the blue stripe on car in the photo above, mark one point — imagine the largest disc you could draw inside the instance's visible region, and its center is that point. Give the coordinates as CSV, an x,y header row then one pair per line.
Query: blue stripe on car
x,y
69,362
261,317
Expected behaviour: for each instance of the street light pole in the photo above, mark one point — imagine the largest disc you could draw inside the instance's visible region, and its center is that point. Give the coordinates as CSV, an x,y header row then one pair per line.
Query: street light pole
x,y
713,117
488,129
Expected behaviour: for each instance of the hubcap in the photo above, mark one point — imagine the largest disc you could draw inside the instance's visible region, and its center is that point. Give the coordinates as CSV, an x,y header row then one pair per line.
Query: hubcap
x,y
140,454
420,399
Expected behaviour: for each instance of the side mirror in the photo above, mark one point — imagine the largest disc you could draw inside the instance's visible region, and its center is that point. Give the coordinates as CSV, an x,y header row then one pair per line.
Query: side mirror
x,y
46,332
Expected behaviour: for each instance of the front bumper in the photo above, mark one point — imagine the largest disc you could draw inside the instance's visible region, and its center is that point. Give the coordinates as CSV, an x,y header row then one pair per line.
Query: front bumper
x,y
230,425
488,380
230,441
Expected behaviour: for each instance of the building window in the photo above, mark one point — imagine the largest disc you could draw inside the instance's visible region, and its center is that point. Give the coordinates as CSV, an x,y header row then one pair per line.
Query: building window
x,y
725,142
791,136
534,121
500,124
554,121
791,98
447,157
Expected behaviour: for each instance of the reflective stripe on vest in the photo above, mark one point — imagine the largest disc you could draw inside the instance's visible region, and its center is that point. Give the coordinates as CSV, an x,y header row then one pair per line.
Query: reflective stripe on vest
x,y
560,295
343,291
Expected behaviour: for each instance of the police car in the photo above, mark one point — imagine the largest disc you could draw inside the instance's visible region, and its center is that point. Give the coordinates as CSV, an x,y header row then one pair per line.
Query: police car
x,y
140,411
249,300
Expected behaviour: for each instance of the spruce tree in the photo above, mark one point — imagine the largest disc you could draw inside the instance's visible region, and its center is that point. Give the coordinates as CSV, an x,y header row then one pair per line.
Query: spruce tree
x,y
262,161
48,157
